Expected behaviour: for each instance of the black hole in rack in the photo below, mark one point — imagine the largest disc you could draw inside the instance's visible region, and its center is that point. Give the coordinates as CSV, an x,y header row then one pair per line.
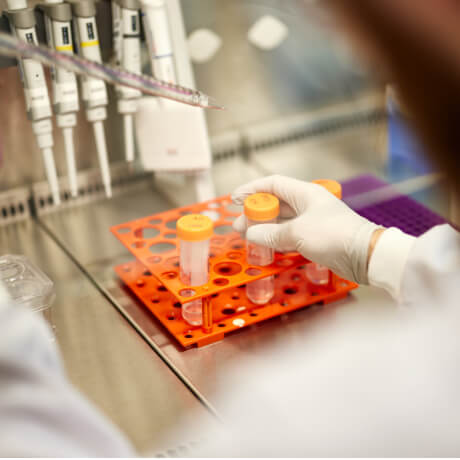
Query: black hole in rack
x,y
253,314
290,290
147,273
221,325
171,318
189,336
177,305
162,289
242,286
155,300
284,304
235,297
214,295
228,311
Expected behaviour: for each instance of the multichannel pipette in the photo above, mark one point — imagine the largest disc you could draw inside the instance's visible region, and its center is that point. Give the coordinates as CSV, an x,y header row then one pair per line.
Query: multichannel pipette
x,y
127,45
22,23
58,19
11,46
94,90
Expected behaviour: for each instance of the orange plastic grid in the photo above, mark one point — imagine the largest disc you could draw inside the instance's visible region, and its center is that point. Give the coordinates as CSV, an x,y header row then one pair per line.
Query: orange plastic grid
x,y
153,241
230,309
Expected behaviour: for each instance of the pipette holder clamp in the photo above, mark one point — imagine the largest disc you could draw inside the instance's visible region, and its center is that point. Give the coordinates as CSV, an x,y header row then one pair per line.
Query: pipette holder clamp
x,y
154,276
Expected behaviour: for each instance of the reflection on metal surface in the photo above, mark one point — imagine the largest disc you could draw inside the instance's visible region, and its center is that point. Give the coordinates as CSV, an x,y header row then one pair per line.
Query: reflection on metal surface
x,y
366,112
104,358
201,369
90,187
309,69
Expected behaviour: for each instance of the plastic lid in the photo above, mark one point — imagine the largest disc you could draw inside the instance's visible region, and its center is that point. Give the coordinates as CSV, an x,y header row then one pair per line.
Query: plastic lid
x,y
261,206
332,186
194,227
25,283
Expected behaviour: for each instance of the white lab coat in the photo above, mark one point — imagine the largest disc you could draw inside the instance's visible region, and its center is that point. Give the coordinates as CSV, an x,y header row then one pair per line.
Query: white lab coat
x,y
41,413
358,388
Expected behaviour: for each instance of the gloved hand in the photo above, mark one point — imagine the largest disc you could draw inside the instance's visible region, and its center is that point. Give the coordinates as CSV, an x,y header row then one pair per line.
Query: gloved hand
x,y
313,222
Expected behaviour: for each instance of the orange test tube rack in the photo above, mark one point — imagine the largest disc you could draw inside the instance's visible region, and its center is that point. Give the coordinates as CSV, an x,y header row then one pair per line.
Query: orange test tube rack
x,y
154,276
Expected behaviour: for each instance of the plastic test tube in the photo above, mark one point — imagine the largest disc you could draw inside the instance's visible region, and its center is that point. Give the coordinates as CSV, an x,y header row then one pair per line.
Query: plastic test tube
x,y
316,273
260,208
194,232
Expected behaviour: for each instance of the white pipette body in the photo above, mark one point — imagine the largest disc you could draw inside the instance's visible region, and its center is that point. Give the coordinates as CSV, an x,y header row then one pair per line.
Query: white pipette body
x,y
101,146
128,125
156,26
22,22
70,159
58,17
127,45
94,91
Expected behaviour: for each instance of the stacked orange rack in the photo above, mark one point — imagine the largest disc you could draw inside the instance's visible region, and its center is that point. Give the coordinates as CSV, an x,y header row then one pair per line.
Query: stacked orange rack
x,y
154,277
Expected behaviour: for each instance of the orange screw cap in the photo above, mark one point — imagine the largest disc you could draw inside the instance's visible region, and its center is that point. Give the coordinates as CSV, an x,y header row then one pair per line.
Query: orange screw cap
x,y
194,227
261,207
331,185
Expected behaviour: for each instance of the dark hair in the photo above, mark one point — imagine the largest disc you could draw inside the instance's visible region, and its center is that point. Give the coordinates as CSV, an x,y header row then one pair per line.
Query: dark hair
x,y
424,71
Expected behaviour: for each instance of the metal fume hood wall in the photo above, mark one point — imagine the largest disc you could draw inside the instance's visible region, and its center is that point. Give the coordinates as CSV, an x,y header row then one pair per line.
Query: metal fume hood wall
x,y
305,73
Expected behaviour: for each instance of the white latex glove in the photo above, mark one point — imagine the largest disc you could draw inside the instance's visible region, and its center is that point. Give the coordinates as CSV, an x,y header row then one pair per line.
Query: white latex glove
x,y
313,222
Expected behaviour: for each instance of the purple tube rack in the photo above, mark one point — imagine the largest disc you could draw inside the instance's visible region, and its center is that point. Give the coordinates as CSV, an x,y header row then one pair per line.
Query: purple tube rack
x,y
399,211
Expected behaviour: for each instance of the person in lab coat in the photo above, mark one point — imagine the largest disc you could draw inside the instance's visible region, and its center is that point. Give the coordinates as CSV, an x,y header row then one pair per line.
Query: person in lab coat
x,y
360,388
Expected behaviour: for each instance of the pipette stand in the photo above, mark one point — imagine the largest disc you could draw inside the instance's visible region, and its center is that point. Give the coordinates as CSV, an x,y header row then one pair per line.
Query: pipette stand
x,y
168,154
154,276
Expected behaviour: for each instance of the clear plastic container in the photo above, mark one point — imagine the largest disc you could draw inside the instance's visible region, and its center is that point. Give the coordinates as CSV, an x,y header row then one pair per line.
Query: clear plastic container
x,y
261,291
25,283
194,232
316,273
260,208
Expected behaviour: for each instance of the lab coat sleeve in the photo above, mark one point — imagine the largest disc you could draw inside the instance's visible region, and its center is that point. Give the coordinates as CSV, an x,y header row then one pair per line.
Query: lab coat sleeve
x,y
389,259
41,414
418,271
